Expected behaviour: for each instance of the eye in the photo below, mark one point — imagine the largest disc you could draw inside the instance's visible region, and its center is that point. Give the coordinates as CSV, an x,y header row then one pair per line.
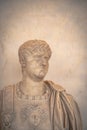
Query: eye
x,y
47,58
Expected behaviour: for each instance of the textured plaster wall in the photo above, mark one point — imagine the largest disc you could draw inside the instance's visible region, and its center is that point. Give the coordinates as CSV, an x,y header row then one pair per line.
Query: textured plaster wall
x,y
63,24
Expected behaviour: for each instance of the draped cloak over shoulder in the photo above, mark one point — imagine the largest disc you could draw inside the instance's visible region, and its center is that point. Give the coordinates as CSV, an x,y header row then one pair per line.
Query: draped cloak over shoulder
x,y
64,111
65,114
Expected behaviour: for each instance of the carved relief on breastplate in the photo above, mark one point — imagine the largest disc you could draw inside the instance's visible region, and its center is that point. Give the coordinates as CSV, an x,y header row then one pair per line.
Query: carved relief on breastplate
x,y
35,115
7,119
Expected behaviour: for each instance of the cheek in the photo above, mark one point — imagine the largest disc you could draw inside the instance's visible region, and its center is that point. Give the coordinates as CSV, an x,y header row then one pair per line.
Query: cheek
x,y
47,65
31,65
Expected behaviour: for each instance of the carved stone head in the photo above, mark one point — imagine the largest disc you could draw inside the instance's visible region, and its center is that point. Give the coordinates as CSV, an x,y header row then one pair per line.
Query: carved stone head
x,y
34,56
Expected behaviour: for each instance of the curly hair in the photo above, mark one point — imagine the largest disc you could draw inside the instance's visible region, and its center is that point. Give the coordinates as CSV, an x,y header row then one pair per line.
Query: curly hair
x,y
33,47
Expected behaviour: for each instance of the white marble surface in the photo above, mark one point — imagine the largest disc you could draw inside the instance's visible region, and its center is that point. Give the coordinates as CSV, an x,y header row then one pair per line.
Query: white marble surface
x,y
63,24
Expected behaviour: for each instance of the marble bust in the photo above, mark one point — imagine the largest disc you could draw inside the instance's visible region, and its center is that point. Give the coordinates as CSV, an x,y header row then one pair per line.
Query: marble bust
x,y
35,104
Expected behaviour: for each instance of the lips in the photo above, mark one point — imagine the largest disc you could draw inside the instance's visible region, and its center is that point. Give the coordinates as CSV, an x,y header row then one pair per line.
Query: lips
x,y
41,73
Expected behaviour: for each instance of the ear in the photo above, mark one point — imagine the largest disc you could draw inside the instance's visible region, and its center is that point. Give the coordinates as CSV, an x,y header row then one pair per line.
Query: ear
x,y
23,62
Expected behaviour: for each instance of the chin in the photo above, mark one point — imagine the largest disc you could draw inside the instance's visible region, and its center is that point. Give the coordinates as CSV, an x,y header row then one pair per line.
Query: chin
x,y
40,77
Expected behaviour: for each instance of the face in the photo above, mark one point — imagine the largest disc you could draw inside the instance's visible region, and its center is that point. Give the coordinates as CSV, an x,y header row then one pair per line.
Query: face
x,y
37,66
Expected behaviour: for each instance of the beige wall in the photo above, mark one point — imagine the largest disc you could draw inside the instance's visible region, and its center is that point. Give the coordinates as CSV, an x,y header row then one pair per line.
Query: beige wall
x,y
63,25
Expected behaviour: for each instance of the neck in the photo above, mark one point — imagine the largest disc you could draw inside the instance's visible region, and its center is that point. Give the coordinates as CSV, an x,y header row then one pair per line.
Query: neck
x,y
32,88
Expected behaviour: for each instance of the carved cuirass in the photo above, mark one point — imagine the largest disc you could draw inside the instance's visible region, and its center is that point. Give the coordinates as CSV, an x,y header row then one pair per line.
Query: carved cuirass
x,y
26,113
55,110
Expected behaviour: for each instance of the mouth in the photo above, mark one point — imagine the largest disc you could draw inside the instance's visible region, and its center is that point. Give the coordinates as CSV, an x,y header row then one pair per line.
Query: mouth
x,y
42,73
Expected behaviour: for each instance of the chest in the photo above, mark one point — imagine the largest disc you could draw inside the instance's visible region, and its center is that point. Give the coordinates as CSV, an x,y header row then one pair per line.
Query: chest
x,y
26,114
31,115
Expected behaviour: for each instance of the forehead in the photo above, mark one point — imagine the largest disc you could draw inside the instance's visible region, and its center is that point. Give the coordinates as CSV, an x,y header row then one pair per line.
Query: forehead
x,y
38,55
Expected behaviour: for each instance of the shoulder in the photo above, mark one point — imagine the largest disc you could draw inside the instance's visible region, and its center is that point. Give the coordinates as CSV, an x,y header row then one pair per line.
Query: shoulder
x,y
60,91
7,88
55,86
7,91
